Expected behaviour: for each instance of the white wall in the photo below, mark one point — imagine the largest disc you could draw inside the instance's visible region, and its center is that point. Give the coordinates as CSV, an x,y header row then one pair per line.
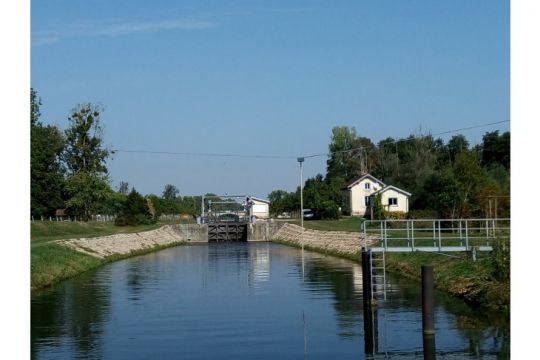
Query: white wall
x,y
260,209
358,193
402,201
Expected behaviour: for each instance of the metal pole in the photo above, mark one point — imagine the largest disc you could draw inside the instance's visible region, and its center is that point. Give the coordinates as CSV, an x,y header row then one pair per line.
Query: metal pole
x,y
301,160
439,235
202,210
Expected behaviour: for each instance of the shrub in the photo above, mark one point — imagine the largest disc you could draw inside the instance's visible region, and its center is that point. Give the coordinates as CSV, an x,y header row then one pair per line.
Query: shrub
x,y
500,259
423,214
395,215
330,210
121,220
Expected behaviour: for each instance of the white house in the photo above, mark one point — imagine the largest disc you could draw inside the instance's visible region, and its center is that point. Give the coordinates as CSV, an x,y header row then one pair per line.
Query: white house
x,y
259,208
362,190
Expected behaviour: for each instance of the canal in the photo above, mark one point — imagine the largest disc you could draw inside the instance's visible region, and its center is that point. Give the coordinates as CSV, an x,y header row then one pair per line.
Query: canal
x,y
246,301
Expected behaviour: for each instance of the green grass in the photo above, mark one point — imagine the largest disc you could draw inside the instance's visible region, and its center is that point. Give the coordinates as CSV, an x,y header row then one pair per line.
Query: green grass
x,y
50,262
351,224
474,281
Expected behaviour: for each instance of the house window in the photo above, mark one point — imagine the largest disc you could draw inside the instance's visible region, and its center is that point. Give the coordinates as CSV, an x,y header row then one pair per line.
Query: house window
x,y
367,186
367,200
392,201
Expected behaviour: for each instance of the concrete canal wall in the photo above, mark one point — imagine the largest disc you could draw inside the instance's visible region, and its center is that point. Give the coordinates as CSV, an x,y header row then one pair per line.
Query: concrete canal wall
x,y
263,231
342,242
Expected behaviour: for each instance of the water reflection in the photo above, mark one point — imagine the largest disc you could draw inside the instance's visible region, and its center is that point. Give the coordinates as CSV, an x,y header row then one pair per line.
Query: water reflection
x,y
70,319
246,301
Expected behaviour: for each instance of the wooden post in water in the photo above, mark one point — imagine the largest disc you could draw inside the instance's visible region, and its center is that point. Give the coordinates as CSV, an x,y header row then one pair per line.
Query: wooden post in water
x,y
366,278
371,331
428,320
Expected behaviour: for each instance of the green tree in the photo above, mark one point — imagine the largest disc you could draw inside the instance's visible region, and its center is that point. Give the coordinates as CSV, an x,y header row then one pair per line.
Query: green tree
x,y
35,106
137,210
170,192
456,145
87,192
123,188
496,149
84,140
46,170
342,141
87,185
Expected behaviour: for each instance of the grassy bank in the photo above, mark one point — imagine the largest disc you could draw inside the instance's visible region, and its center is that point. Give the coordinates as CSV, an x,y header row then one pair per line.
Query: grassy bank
x,y
351,224
50,262
484,282
476,282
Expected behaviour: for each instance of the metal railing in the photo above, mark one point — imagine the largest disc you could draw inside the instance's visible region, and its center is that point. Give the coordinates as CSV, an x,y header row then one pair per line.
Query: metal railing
x,y
434,234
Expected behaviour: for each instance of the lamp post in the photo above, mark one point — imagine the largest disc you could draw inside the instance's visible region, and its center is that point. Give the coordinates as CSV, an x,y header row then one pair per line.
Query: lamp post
x,y
300,161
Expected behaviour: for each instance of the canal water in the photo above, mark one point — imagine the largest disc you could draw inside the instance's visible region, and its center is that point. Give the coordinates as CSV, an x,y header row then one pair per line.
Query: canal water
x,y
246,301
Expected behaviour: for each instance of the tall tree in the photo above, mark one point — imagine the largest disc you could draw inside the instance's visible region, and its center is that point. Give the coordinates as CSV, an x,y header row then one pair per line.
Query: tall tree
x,y
123,188
342,141
496,149
456,145
46,170
85,156
170,192
35,105
84,140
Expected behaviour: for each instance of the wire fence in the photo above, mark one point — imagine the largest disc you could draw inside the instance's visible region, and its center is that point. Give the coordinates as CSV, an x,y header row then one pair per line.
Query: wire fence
x,y
66,218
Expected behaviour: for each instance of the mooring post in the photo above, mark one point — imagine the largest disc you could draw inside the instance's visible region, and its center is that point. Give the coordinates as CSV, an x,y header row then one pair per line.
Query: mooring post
x,y
428,321
366,278
428,327
429,347
371,331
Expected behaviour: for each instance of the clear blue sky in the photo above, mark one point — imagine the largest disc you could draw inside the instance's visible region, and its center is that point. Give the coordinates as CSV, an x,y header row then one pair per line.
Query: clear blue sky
x,y
266,77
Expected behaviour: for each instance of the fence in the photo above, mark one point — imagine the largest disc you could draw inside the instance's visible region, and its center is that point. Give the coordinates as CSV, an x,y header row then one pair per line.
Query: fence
x,y
435,234
103,218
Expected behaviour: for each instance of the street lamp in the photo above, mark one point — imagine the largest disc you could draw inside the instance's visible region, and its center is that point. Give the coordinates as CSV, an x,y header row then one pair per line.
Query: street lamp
x,y
301,160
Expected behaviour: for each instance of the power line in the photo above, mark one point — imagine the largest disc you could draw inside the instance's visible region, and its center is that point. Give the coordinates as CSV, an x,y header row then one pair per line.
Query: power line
x,y
204,154
247,156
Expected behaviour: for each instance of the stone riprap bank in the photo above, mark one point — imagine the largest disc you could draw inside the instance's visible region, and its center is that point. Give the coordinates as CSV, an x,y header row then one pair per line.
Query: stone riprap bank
x,y
343,242
123,244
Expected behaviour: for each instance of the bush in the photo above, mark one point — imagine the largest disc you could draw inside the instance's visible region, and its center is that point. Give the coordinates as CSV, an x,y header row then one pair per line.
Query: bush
x,y
395,215
423,214
500,259
330,210
121,220
136,211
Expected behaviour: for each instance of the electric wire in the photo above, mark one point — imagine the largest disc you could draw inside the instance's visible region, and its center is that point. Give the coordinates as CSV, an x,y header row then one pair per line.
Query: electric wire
x,y
284,157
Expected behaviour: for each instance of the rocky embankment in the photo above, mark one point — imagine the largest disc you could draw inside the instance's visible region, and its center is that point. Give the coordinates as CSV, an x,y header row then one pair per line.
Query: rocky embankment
x,y
123,244
339,242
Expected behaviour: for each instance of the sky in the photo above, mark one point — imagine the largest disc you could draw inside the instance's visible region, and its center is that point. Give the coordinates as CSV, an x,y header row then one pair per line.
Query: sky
x,y
266,78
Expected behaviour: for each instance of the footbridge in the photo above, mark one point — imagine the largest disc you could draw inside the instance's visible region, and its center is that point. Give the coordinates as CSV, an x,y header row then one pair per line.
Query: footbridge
x,y
423,235
434,235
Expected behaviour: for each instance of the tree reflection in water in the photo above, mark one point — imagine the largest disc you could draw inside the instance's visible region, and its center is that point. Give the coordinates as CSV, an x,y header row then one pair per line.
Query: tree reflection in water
x,y
72,316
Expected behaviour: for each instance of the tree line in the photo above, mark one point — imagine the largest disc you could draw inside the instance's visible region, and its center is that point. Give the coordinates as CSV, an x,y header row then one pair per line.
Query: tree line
x,y
447,179
68,170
